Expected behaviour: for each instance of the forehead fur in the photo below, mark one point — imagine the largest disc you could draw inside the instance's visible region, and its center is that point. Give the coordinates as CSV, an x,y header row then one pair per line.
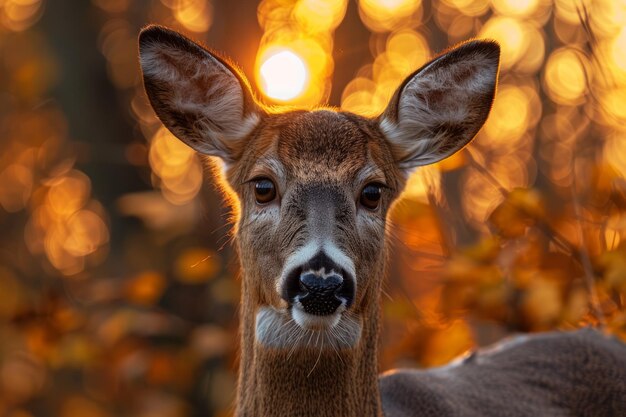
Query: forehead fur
x,y
320,145
323,143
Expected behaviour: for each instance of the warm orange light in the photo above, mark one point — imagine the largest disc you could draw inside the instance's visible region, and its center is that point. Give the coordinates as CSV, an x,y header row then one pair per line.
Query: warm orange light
x,y
395,5
512,35
516,7
618,47
566,77
369,93
386,15
510,115
177,167
195,15
283,75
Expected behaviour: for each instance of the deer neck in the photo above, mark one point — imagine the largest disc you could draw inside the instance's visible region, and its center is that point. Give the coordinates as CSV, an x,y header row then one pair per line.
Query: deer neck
x,y
327,383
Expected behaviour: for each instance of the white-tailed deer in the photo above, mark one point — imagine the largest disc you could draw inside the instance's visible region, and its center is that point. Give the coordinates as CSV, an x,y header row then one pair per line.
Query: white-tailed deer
x,y
311,191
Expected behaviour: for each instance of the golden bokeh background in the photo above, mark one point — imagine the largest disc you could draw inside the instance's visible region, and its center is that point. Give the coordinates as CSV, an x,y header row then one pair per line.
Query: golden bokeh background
x,y
118,283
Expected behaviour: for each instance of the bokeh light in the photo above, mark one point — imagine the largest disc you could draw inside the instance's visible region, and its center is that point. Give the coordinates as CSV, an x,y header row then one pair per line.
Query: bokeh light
x,y
566,77
386,15
176,167
405,50
283,75
519,8
194,15
19,15
305,28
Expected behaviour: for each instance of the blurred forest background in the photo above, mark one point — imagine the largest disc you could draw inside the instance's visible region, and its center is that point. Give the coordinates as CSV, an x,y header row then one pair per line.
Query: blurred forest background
x,y
118,284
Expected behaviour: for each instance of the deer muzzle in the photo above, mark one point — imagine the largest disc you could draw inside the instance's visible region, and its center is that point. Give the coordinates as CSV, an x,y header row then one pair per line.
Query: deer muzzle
x,y
319,287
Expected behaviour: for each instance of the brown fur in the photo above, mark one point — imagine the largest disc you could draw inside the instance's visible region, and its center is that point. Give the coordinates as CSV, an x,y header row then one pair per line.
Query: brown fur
x,y
319,162
575,374
279,382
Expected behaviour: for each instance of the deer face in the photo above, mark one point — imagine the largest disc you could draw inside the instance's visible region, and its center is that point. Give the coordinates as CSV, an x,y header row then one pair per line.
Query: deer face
x,y
314,188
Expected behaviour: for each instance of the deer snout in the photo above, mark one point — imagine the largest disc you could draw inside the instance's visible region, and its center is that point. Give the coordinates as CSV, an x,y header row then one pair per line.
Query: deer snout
x,y
319,294
319,287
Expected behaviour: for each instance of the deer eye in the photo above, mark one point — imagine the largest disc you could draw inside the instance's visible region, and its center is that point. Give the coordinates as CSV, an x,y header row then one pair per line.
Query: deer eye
x,y
370,196
264,190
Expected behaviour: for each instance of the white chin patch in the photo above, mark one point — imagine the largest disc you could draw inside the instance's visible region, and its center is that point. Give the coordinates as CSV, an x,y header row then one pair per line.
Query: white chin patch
x,y
294,328
313,322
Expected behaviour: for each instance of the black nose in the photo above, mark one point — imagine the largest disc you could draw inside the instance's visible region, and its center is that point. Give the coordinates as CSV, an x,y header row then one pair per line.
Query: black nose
x,y
318,294
319,287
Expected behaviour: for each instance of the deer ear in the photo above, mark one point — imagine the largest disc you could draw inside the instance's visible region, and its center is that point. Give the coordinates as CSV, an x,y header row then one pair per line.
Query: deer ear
x,y
439,109
200,98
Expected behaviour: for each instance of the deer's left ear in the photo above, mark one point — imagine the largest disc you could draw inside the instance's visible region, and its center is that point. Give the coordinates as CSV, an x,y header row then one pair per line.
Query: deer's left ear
x,y
440,108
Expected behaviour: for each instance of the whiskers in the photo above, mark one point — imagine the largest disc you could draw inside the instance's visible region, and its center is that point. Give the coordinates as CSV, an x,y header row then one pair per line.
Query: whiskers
x,y
277,329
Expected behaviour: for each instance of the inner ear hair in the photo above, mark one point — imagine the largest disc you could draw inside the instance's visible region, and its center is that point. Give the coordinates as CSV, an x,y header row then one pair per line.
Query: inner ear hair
x,y
439,108
201,98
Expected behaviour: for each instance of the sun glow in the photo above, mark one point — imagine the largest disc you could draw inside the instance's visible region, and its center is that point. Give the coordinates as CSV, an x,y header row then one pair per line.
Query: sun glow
x,y
283,75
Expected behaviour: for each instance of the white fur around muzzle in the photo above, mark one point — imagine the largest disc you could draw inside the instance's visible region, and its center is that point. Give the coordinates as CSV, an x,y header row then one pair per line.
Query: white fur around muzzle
x,y
292,329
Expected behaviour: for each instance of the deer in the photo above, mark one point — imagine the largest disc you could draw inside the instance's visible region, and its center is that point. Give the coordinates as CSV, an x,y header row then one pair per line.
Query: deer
x,y
311,190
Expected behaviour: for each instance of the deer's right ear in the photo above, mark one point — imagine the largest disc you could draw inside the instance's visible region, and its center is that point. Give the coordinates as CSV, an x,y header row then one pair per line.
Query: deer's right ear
x,y
199,97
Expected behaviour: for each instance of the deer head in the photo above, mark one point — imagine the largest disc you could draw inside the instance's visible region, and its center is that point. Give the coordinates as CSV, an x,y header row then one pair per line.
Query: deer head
x,y
312,189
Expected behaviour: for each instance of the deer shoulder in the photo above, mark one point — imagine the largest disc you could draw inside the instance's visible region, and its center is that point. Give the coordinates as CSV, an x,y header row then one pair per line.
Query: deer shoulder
x,y
581,373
